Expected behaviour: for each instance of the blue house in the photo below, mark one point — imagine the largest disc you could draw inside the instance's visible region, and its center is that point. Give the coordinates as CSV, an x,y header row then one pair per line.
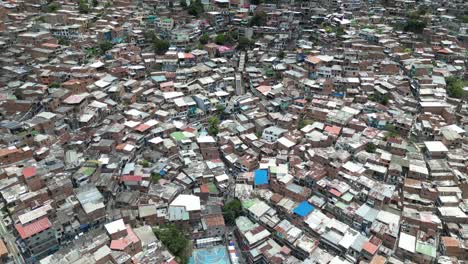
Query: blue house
x,y
303,209
261,177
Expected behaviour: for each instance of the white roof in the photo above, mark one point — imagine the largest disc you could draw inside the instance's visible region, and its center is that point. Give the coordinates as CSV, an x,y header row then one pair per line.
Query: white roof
x,y
388,218
102,84
131,123
348,239
116,226
156,140
129,147
407,242
435,146
97,64
84,118
34,214
453,211
172,95
190,202
97,104
151,122
433,104
455,128
206,139
222,177
286,142
339,260
353,167
46,115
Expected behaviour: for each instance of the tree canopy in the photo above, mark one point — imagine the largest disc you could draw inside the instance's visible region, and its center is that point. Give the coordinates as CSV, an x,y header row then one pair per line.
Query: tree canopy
x,y
204,39
213,125
53,7
220,39
455,87
259,19
105,46
174,239
196,8
161,46
371,147
232,210
83,7
243,43
414,25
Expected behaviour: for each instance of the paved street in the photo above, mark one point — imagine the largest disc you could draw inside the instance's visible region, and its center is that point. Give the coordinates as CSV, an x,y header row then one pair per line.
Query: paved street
x,y
9,240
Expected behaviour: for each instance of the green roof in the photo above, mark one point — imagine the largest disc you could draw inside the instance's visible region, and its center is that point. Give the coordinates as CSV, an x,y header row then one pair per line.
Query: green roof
x,y
341,205
273,169
88,171
177,136
248,203
212,188
347,197
426,249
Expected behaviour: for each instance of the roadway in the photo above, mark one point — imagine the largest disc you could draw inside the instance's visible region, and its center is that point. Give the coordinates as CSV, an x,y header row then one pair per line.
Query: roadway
x,y
10,241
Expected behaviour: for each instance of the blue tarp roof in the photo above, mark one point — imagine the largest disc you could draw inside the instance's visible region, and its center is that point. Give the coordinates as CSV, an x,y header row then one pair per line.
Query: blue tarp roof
x,y
303,209
261,177
159,78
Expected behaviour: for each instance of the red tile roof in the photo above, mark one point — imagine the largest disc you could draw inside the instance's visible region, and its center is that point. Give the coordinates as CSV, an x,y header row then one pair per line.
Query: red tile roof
x,y
29,172
131,235
214,221
142,127
369,247
333,130
335,192
3,249
204,188
120,244
131,178
28,230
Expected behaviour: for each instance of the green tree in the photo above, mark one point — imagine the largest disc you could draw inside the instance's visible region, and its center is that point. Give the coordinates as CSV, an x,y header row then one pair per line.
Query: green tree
x,y
83,7
407,50
174,239
465,19
183,3
339,31
384,100
414,25
204,39
281,55
145,163
105,46
304,122
155,177
256,2
455,87
149,36
53,7
161,46
391,131
196,8
243,43
423,9
371,147
259,19
54,85
231,211
63,41
213,125
220,109
220,39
